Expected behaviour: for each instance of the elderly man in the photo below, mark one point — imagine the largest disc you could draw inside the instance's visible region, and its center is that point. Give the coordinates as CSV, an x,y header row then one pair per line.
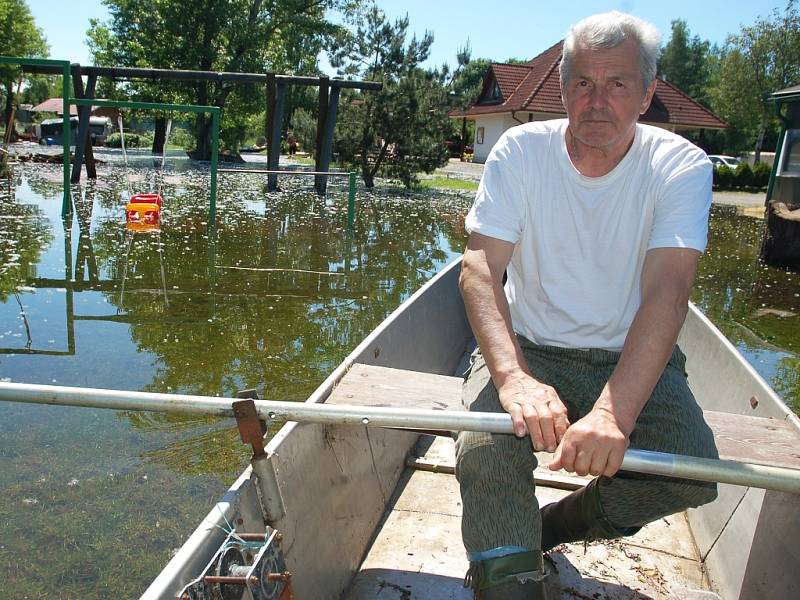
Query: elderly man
x,y
599,223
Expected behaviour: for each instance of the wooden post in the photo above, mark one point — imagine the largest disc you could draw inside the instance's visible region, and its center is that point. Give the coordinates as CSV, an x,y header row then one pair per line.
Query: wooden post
x,y
271,93
326,144
273,160
83,143
91,168
324,91
276,100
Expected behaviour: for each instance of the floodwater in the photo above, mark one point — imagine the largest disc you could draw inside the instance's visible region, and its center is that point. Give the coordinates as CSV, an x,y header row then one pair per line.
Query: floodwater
x,y
93,502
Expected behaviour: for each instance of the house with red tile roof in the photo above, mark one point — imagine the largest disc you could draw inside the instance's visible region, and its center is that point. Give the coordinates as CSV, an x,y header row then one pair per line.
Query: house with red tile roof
x,y
519,93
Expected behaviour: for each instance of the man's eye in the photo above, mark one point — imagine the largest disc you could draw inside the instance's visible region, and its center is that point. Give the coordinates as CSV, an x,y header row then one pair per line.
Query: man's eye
x,y
619,84
583,83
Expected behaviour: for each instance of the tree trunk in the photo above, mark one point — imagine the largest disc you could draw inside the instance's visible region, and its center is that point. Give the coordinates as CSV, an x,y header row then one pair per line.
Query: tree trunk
x,y
159,135
463,139
762,129
9,104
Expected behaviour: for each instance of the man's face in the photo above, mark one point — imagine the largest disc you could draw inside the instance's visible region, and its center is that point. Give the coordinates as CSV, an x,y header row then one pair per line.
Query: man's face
x,y
604,95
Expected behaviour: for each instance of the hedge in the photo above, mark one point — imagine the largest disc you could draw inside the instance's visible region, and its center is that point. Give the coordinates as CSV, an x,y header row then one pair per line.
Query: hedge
x,y
743,177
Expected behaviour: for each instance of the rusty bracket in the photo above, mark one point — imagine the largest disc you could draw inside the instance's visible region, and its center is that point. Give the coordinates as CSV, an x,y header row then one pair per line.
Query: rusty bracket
x,y
251,428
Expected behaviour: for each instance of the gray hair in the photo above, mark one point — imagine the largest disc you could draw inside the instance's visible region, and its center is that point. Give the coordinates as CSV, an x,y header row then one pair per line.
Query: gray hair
x,y
609,30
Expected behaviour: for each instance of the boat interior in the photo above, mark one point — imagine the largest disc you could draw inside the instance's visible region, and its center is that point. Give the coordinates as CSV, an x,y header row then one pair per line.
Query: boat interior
x,y
417,552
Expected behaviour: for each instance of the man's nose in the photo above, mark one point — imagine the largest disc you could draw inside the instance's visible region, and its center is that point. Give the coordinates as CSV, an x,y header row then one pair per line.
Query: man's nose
x,y
598,97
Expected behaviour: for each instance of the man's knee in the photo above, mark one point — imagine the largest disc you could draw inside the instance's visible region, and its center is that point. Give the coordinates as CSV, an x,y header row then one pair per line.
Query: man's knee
x,y
498,494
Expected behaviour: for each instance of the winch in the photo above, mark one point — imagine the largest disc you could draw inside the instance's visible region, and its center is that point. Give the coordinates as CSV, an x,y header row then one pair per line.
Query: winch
x,y
247,566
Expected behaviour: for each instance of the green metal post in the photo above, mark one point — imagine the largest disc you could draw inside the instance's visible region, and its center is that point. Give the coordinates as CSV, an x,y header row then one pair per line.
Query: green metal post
x,y
66,204
351,201
66,135
212,207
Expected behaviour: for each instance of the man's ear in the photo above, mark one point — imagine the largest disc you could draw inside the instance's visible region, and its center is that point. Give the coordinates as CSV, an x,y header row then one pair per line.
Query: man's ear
x,y
648,97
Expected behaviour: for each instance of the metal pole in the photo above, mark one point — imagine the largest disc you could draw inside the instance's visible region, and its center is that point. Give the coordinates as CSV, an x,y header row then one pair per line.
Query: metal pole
x,y
654,463
351,201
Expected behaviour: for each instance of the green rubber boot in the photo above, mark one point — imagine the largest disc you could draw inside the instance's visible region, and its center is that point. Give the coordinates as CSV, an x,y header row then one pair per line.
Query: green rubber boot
x,y
520,576
578,517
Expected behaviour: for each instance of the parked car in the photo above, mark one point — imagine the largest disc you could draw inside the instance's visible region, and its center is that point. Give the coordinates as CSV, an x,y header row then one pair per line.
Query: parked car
x,y
720,160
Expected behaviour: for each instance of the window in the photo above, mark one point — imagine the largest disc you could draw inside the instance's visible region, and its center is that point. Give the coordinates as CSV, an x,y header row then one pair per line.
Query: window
x,y
479,135
790,154
492,95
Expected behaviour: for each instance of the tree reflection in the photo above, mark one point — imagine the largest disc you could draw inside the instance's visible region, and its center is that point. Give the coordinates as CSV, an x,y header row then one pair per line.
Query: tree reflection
x,y
754,305
278,294
24,234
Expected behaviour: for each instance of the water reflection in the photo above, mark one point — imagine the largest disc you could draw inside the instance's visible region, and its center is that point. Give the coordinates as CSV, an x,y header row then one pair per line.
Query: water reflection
x,y
273,299
756,306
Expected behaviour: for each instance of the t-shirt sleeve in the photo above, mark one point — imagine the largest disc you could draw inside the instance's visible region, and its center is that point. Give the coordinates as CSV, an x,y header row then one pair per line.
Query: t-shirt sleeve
x,y
681,211
499,207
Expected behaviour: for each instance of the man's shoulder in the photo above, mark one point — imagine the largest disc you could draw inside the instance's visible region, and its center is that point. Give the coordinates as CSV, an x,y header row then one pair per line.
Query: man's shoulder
x,y
536,131
530,138
670,151
663,144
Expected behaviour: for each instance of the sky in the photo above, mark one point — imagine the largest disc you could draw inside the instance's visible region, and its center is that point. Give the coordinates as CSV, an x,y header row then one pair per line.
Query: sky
x,y
495,29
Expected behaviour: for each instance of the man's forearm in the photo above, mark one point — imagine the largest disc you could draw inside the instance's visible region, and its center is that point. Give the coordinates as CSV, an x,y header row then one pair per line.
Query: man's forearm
x,y
648,347
490,319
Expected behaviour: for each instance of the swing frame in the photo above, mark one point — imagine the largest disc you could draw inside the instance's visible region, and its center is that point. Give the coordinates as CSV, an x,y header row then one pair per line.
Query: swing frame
x,y
215,115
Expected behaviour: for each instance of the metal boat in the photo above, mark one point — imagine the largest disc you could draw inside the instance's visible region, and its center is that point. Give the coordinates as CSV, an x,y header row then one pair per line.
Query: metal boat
x,y
328,511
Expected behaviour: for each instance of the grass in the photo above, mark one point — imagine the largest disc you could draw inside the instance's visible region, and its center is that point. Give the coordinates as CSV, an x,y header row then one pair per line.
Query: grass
x,y
448,183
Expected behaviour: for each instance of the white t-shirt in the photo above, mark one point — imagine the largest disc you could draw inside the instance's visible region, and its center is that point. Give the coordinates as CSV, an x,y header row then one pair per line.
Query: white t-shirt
x,y
580,242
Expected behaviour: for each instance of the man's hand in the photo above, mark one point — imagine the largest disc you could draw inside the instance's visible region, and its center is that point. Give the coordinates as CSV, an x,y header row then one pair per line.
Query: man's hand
x,y
594,445
534,408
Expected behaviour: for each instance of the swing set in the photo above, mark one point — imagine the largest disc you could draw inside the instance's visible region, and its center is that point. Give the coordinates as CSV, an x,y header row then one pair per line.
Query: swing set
x,y
143,211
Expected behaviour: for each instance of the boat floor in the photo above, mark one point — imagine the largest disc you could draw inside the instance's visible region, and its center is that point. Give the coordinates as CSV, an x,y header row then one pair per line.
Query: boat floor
x,y
418,553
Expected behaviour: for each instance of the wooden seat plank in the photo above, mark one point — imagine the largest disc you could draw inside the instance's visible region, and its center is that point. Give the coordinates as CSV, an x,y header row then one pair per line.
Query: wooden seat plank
x,y
739,437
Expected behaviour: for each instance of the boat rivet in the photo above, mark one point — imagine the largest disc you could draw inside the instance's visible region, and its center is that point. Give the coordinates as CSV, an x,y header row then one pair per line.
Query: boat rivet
x,y
365,420
271,415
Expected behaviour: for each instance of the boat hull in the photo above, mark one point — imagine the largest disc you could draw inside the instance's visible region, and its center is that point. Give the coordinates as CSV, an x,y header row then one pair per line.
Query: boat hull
x,y
331,484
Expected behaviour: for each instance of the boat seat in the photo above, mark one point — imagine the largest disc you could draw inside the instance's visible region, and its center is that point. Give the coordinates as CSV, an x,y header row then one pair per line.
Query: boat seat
x,y
741,438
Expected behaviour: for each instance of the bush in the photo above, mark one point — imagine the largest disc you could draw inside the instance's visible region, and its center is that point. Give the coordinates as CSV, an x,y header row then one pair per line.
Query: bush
x,y
743,175
723,178
132,140
180,137
304,128
761,174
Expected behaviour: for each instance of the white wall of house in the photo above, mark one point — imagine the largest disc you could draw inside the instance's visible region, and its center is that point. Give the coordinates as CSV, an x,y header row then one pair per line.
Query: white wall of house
x,y
495,125
492,127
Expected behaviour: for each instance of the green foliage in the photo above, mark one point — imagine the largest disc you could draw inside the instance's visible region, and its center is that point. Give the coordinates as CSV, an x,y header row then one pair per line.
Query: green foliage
x,y
41,87
684,62
304,127
763,58
743,175
132,140
215,35
399,130
180,136
761,173
723,178
449,183
19,36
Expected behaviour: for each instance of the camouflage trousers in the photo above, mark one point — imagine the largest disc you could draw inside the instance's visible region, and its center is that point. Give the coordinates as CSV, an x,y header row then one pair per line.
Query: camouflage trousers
x,y
495,471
